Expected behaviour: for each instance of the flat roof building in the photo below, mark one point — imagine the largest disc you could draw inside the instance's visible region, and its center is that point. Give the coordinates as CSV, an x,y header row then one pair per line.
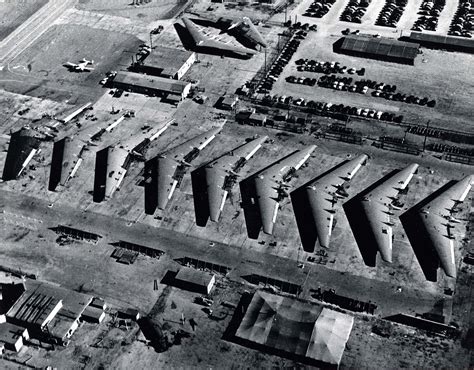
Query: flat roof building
x,y
11,336
151,85
167,62
382,48
195,280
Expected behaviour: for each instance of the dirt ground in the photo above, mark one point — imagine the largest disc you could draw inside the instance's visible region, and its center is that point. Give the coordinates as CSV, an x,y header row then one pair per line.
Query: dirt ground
x,y
109,32
14,13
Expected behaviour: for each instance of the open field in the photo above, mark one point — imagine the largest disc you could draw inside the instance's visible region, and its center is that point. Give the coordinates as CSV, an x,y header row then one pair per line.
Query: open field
x,y
155,9
14,13
43,63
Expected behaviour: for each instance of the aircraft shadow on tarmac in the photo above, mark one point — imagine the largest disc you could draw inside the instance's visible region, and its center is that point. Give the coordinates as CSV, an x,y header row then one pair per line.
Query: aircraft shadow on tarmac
x,y
150,185
100,176
418,235
358,222
252,215
303,215
200,196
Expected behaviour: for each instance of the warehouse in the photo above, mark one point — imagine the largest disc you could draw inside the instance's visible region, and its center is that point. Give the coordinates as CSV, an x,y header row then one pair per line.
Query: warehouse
x,y
298,330
167,63
443,42
48,311
381,48
151,85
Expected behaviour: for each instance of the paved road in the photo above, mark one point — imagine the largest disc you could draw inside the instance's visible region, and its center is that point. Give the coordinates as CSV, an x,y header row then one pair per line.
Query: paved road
x,y
34,27
243,261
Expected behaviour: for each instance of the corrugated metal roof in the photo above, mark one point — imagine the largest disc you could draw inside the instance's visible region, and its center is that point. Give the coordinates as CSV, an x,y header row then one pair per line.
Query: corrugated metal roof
x,y
380,46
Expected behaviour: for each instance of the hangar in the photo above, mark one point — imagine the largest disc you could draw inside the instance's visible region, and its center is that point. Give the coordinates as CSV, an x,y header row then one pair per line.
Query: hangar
x,y
382,48
443,42
167,62
301,330
152,85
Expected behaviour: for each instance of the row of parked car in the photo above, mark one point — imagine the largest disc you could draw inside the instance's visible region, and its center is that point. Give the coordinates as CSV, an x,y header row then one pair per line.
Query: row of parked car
x,y
445,148
310,65
319,8
304,26
391,13
286,101
362,112
301,80
354,11
463,21
380,89
280,62
429,15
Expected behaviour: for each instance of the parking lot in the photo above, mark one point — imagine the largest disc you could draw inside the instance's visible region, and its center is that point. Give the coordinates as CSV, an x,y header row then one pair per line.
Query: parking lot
x,y
413,81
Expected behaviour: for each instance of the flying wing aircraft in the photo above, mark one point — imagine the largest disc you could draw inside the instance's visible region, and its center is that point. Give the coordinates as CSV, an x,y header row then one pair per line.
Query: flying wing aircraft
x,y
378,205
221,174
171,165
270,185
323,194
82,66
203,41
437,219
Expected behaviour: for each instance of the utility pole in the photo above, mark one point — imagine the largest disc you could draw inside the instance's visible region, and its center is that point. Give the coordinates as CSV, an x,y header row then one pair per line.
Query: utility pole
x,y
151,42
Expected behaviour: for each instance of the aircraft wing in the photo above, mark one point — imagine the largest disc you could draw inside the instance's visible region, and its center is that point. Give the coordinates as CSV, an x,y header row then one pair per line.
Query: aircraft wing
x,y
73,65
322,195
250,31
199,142
116,160
169,162
201,40
436,217
71,159
268,185
222,169
217,195
376,205
166,180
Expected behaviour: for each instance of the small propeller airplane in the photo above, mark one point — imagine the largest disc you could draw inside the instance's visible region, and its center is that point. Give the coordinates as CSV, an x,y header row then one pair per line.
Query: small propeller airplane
x,y
82,66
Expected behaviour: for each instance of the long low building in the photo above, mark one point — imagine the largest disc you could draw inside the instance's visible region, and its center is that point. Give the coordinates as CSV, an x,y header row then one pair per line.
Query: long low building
x,y
443,42
151,85
382,48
